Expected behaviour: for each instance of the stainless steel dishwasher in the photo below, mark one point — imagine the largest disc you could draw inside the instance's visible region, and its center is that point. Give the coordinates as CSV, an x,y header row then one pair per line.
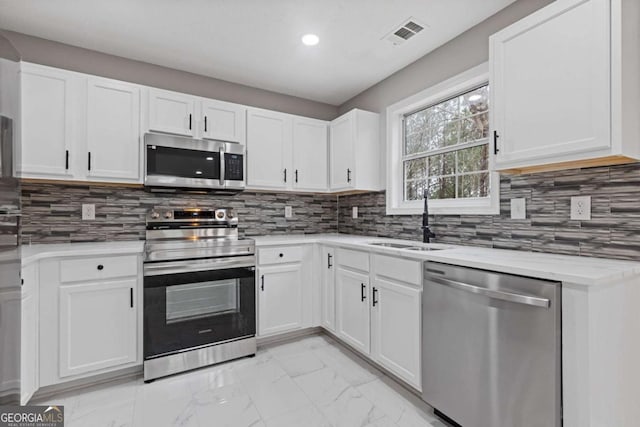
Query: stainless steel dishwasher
x,y
491,347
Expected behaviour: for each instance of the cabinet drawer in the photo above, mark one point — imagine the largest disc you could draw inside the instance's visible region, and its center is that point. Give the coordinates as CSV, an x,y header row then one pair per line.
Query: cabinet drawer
x,y
96,268
353,259
279,255
404,270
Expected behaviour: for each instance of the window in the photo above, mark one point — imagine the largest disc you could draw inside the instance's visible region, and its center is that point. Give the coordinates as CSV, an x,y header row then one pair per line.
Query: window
x,y
446,148
438,140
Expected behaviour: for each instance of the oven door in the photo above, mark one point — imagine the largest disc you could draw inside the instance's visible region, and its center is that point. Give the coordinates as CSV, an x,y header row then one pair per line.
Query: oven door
x,y
182,162
195,303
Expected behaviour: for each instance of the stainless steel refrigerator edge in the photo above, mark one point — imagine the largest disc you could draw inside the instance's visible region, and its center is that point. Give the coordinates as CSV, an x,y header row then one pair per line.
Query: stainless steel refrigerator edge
x,y
10,284
491,347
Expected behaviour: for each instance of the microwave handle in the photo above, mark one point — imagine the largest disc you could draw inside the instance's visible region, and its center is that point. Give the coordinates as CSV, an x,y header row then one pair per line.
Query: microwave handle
x,y
221,167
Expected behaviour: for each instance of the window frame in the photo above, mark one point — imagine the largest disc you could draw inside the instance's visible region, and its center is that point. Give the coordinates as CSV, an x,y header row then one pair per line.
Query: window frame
x,y
396,205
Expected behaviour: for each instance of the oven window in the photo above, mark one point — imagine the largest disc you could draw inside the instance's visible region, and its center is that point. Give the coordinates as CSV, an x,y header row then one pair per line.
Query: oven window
x,y
182,162
201,300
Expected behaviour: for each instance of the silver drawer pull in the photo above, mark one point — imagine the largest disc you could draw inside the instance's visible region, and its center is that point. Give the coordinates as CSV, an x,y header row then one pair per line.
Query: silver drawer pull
x,y
501,295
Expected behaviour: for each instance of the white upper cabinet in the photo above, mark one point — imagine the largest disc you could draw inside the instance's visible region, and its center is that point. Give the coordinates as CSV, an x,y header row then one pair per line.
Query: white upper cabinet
x,y
564,92
355,152
113,131
310,154
268,149
78,127
172,112
223,121
50,109
192,116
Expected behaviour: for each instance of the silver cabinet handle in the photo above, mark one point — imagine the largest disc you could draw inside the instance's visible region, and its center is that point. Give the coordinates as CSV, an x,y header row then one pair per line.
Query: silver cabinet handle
x,y
501,295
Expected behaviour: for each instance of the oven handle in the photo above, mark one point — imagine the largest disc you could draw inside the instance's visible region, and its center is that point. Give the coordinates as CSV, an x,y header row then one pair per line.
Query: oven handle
x,y
188,266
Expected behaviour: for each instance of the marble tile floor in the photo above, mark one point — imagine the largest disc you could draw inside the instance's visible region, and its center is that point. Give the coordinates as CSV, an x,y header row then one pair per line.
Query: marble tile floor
x,y
309,382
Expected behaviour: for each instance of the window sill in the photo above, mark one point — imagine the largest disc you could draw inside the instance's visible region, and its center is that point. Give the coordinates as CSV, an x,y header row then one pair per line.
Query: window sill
x,y
437,207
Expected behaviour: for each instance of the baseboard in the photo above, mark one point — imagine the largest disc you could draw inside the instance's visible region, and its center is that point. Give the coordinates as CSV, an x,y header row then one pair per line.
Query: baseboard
x,y
287,336
74,385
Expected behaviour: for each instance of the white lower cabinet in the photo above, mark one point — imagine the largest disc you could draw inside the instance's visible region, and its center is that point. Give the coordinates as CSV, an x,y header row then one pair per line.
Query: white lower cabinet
x,y
97,326
379,309
90,316
395,327
284,288
280,305
328,289
29,334
353,323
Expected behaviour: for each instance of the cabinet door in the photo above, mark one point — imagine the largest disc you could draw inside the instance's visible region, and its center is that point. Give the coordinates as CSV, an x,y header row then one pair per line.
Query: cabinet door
x,y
113,131
171,112
223,121
98,327
342,164
279,299
550,94
310,154
268,149
49,119
396,320
29,335
353,308
328,289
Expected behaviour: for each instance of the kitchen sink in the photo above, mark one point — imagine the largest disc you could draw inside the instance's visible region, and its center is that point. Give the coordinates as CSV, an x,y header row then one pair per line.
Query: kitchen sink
x,y
409,247
391,245
423,248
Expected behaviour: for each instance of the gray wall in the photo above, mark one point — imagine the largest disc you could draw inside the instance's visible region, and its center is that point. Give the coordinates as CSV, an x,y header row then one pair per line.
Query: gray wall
x,y
469,49
7,50
613,232
46,52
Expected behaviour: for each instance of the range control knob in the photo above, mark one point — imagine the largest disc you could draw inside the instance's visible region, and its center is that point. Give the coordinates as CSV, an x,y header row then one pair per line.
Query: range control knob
x,y
220,214
230,215
168,214
155,215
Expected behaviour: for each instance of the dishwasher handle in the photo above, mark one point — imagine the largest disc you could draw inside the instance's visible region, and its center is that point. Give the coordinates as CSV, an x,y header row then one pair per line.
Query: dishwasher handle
x,y
501,295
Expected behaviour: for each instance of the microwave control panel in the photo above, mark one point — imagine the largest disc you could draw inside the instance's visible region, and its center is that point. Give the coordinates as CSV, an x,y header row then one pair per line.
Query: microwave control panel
x,y
233,167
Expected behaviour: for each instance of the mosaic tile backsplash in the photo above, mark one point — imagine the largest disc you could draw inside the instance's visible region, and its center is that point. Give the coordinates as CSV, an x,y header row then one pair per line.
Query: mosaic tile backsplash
x,y
52,212
612,232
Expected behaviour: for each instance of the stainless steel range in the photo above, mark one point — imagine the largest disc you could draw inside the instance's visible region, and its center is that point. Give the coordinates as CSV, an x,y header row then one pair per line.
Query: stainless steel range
x,y
199,290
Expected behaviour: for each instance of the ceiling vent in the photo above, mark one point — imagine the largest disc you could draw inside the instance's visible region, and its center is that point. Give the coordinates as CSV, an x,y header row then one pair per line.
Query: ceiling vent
x,y
404,32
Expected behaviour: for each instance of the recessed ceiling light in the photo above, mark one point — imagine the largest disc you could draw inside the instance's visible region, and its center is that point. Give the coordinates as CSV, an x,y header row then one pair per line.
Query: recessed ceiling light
x,y
310,39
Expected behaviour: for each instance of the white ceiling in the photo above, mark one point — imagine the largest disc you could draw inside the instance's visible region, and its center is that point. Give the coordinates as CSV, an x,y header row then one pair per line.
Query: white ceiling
x,y
255,42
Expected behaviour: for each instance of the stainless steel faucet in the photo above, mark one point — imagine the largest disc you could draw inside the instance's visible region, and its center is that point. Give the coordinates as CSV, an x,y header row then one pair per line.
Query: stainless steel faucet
x,y
426,231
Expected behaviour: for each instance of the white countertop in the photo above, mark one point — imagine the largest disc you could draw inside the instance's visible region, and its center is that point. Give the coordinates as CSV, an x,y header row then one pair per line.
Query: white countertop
x,y
31,253
577,270
586,271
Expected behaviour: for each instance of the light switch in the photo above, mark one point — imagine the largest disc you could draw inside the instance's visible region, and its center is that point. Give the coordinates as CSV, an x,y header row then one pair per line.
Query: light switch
x,y
354,212
519,208
288,212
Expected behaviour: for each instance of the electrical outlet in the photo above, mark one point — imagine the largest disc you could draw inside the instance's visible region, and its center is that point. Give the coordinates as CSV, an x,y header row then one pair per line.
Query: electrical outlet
x,y
288,212
88,211
581,208
354,212
519,208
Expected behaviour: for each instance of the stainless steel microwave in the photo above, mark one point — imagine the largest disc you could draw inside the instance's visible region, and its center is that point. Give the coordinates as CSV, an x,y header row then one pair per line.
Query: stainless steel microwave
x,y
173,162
